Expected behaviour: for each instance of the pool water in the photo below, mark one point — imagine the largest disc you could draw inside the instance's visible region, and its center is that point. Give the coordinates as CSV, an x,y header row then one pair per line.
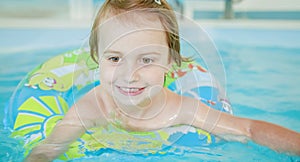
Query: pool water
x,y
262,77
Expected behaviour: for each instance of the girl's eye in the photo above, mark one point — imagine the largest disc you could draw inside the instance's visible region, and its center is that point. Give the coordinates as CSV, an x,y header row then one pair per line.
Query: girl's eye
x,y
147,60
114,59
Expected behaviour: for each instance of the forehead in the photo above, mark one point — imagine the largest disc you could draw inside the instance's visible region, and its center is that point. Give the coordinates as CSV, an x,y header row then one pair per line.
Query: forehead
x,y
130,31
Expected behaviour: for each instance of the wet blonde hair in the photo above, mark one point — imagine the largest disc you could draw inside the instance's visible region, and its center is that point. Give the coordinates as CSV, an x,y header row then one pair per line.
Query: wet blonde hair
x,y
163,11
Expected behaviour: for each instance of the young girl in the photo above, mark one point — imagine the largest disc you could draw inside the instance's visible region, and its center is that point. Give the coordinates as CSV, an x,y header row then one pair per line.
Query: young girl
x,y
135,42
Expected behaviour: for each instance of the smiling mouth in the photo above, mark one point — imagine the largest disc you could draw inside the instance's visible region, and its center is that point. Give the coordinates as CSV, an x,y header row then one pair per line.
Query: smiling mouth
x,y
131,91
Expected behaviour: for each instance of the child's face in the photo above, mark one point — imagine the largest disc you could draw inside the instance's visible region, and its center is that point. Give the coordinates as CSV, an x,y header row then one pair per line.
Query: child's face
x,y
133,66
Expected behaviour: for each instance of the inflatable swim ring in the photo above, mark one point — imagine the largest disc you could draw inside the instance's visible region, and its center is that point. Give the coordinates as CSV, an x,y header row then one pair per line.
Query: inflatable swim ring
x,y
46,93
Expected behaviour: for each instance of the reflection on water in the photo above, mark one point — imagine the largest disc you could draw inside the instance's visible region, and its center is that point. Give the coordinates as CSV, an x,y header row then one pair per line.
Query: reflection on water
x,y
11,149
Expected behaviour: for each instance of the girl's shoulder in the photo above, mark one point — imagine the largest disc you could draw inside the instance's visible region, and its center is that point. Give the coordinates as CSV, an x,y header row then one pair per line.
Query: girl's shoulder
x,y
90,108
180,100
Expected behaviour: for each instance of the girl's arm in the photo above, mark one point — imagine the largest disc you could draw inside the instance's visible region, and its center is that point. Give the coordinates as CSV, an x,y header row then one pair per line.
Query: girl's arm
x,y
275,137
82,116
242,129
63,134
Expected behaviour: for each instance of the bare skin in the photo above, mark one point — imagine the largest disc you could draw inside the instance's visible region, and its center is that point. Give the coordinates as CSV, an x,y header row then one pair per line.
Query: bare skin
x,y
239,129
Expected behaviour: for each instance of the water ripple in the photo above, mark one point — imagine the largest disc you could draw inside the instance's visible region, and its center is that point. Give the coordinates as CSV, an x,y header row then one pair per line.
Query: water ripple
x,y
11,149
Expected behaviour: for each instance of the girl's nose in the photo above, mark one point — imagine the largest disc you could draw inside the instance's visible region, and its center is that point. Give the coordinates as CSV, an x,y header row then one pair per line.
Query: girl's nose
x,y
132,78
130,73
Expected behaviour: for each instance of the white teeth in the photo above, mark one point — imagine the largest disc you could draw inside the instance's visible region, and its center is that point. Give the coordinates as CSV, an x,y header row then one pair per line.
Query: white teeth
x,y
130,90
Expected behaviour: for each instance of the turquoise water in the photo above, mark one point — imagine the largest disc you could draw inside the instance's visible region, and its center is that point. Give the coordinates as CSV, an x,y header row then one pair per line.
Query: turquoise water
x,y
262,73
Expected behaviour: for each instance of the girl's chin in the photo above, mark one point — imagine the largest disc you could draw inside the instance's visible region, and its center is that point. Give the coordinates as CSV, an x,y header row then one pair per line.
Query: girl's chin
x,y
133,102
140,98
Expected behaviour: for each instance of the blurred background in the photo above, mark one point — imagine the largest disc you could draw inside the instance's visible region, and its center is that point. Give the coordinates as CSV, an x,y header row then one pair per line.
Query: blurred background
x,y
80,13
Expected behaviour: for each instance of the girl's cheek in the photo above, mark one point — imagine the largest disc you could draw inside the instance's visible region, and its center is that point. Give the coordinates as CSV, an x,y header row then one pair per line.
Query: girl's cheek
x,y
107,74
155,75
